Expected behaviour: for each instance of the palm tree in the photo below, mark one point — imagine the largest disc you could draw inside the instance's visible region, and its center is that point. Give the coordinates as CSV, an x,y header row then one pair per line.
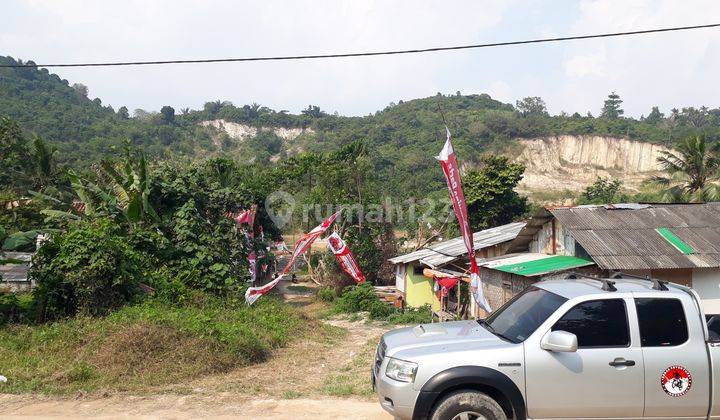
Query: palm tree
x,y
45,161
693,172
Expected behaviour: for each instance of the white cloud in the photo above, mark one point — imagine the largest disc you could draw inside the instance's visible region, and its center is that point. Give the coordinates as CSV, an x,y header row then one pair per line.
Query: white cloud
x,y
670,69
582,65
98,31
674,69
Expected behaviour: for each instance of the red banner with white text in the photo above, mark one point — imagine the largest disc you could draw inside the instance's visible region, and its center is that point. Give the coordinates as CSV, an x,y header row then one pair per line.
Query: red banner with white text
x,y
345,258
450,168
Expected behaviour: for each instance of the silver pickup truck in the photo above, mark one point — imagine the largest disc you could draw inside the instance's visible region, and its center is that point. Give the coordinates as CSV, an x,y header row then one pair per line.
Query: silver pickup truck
x,y
579,348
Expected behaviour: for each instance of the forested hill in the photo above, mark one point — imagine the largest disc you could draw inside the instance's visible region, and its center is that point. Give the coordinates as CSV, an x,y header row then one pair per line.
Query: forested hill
x,y
401,139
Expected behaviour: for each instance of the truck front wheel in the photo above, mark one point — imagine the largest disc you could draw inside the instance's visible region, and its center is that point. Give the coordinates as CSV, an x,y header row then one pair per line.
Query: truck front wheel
x,y
468,405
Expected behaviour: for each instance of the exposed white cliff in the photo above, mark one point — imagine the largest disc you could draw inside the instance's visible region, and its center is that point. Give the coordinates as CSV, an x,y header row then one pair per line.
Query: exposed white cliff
x,y
573,162
243,131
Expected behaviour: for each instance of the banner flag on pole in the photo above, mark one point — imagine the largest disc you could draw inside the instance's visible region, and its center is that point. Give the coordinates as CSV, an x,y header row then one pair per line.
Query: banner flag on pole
x,y
345,258
253,293
450,168
248,217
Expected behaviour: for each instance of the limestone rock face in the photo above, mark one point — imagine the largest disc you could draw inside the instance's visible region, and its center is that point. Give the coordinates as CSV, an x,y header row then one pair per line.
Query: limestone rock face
x,y
573,162
243,131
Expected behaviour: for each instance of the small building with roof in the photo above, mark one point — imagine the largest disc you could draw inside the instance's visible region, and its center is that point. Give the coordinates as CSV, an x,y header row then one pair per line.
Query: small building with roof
x,y
674,242
416,272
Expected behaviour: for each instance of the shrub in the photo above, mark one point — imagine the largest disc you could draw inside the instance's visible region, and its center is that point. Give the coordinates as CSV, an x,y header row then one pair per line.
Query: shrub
x,y
362,298
421,315
326,294
380,310
356,298
90,269
15,308
24,217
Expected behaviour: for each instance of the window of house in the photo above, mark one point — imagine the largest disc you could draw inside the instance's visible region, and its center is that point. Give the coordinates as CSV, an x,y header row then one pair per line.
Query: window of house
x,y
597,323
662,322
418,270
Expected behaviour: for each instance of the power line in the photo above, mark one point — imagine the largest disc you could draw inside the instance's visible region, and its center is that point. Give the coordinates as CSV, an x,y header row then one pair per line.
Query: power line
x,y
368,54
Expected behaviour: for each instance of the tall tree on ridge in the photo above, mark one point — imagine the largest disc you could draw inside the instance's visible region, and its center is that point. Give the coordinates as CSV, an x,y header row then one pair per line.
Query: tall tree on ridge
x,y
611,109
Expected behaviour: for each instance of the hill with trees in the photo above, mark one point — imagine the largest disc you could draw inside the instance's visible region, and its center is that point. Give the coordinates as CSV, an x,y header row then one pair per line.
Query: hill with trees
x,y
400,140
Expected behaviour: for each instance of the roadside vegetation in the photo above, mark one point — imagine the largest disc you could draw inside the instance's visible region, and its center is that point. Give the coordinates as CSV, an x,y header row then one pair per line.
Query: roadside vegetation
x,y
355,300
141,281
147,345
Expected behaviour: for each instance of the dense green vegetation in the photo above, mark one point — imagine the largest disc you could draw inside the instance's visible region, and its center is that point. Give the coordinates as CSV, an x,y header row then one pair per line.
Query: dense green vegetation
x,y
400,140
693,171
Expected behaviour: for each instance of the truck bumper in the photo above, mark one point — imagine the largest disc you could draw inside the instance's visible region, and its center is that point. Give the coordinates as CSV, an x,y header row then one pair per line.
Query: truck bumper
x,y
397,398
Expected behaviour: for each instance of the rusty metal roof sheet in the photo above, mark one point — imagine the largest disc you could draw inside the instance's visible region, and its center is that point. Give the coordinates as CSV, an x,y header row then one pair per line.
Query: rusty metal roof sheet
x,y
623,238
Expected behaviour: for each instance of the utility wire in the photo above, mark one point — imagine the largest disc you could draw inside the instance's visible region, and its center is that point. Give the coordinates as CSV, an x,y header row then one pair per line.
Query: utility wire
x,y
367,54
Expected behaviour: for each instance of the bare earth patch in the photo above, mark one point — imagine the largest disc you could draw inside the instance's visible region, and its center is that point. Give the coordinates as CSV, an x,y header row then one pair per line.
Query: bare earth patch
x,y
225,405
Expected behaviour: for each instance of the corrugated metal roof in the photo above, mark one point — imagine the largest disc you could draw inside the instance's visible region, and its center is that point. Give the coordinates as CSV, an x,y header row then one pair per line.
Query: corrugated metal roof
x,y
534,264
444,252
15,272
625,237
413,256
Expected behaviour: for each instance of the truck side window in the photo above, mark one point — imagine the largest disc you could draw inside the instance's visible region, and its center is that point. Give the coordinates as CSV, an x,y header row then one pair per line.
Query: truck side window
x,y
662,322
597,323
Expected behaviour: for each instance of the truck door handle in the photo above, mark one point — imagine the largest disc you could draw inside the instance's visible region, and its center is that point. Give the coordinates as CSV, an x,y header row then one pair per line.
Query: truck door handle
x,y
622,362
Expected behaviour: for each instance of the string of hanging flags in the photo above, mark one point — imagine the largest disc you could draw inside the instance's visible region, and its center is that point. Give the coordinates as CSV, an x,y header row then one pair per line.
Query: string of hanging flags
x,y
253,293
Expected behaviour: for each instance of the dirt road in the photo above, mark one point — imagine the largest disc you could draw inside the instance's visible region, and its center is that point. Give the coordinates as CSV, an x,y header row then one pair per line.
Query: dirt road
x,y
187,407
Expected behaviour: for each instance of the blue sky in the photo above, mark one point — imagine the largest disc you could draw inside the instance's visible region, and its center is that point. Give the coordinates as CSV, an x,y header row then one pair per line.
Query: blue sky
x,y
668,70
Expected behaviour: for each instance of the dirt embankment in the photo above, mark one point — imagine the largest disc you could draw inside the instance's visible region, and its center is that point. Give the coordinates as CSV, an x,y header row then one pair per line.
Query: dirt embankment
x,y
573,162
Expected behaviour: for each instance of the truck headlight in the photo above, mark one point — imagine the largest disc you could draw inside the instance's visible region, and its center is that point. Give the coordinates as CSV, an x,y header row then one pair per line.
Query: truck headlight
x,y
400,370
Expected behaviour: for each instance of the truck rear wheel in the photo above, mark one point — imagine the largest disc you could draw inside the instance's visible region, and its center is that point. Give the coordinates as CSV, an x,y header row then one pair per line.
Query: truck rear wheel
x,y
468,405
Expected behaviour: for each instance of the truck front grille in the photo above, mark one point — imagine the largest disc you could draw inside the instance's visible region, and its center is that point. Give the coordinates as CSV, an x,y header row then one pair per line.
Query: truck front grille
x,y
380,355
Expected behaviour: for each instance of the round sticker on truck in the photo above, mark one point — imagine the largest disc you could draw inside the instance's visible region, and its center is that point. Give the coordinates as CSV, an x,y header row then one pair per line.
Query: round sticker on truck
x,y
676,381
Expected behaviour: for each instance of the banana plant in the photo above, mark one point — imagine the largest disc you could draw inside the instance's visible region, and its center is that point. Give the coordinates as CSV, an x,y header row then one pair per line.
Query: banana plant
x,y
124,195
131,187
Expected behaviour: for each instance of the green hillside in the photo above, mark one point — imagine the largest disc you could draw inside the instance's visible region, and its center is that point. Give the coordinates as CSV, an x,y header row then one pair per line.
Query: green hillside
x,y
401,139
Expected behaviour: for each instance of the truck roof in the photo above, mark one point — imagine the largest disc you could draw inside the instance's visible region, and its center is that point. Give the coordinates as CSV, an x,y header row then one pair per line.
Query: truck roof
x,y
572,288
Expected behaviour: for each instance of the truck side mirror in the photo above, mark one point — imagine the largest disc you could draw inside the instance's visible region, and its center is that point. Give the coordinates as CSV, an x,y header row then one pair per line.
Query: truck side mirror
x,y
560,341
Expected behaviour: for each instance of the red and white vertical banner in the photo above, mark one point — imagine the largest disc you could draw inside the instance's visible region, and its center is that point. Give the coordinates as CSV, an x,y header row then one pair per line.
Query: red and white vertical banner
x,y
345,258
248,217
449,164
253,293
244,217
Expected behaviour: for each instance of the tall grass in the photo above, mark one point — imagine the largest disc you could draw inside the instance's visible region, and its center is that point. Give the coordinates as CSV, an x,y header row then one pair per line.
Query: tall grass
x,y
141,346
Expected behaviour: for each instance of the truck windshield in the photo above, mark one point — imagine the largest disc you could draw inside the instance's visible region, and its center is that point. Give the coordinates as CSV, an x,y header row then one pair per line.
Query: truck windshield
x,y
523,314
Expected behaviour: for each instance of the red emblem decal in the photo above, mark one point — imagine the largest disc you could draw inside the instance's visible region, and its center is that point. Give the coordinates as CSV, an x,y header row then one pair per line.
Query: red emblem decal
x,y
676,381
